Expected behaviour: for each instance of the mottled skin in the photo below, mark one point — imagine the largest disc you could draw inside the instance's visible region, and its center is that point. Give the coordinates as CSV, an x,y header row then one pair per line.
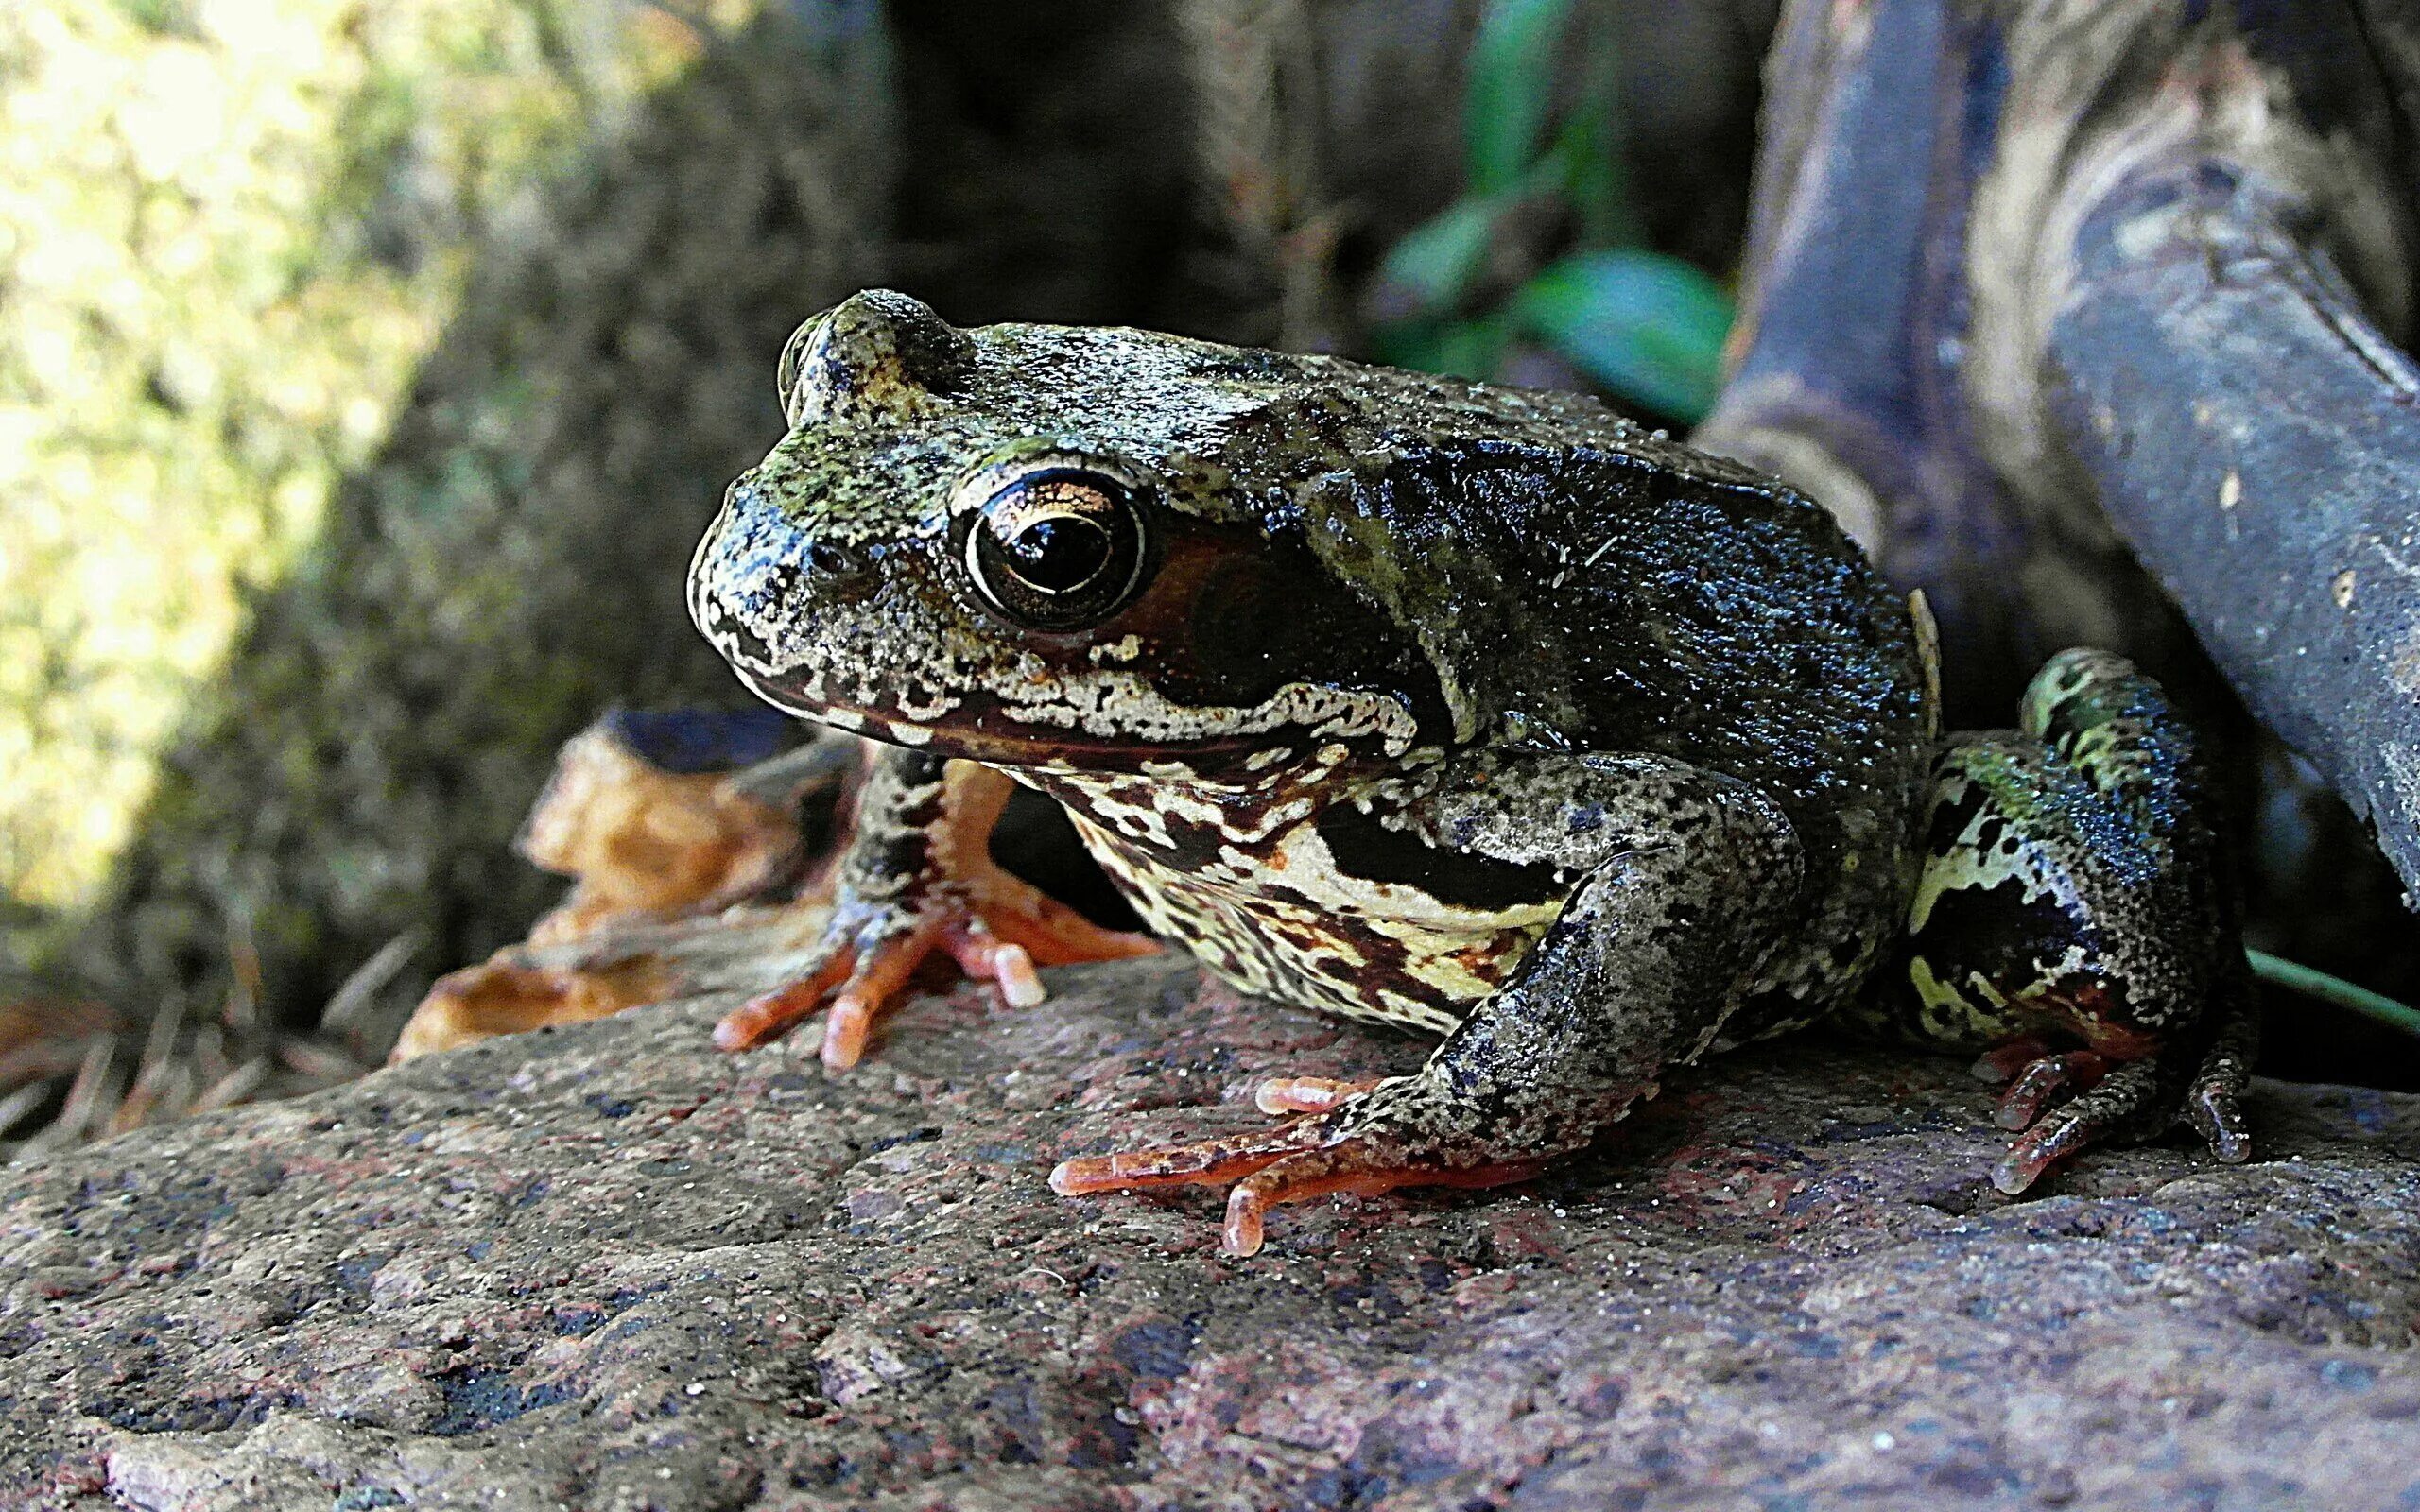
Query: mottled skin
x,y
1469,709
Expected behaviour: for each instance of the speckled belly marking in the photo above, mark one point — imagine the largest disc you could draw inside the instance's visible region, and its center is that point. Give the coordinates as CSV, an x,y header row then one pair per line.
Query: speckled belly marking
x,y
1977,851
1286,923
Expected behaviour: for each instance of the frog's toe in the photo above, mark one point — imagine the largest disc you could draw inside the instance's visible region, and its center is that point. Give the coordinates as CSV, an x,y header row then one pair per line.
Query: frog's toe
x,y
1362,1166
1006,927
2213,1102
2216,1114
1202,1163
997,939
768,1016
1270,1170
2047,1079
2135,1099
1306,1095
2002,1062
2124,1100
859,976
1350,1144
1235,1157
1014,915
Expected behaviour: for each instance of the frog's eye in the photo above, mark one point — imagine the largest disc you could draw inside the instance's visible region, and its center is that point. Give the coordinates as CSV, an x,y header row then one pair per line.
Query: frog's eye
x,y
1058,549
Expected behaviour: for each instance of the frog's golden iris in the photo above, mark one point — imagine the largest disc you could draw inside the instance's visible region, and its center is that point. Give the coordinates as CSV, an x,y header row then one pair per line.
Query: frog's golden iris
x,y
1059,547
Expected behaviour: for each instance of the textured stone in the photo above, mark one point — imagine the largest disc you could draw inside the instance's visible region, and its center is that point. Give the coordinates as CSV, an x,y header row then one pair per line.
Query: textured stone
x,y
606,1266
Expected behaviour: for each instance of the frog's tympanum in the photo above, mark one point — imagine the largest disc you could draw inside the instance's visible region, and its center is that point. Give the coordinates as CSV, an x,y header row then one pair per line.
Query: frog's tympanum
x,y
1476,710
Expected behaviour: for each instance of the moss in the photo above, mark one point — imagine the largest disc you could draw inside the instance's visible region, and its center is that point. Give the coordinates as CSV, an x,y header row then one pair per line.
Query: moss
x,y
394,454
224,264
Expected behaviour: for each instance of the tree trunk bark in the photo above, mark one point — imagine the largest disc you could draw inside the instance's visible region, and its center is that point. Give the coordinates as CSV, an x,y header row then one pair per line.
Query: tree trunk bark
x,y
2082,315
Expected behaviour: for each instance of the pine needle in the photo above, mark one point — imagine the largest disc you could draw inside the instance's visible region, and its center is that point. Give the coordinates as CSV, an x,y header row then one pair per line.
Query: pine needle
x,y
2311,983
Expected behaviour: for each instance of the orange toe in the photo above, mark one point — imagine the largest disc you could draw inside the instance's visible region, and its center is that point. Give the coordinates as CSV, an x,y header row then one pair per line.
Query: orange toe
x,y
2045,1081
1208,1162
2000,1062
2036,1152
882,974
1308,1158
1354,1166
1001,941
765,1017
868,980
984,958
1306,1095
1055,934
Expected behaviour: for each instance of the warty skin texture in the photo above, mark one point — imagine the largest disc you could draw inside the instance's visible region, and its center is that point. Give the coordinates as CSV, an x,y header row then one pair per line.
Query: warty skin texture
x,y
1477,711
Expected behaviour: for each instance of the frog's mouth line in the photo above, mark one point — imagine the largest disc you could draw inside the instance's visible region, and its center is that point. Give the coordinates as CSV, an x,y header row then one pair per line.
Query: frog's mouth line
x,y
1055,747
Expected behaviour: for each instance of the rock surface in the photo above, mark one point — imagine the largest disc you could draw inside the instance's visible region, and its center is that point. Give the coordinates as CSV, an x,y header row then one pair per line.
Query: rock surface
x,y
605,1266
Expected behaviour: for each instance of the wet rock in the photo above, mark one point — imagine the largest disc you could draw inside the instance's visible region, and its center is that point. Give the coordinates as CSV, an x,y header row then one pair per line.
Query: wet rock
x,y
606,1266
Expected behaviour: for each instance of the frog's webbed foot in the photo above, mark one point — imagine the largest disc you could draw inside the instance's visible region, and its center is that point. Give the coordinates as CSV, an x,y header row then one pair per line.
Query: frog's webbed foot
x,y
997,928
2078,913
918,879
1360,1139
2064,1101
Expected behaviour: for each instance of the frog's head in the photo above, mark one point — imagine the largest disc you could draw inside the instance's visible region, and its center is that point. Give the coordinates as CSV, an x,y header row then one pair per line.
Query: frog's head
x,y
1051,546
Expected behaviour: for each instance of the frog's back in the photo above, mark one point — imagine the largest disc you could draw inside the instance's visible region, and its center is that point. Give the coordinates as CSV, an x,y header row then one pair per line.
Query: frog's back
x,y
1579,581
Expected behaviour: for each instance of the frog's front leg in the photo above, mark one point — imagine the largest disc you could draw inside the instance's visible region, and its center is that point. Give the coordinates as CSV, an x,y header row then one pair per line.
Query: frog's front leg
x,y
2077,921
1682,886
917,877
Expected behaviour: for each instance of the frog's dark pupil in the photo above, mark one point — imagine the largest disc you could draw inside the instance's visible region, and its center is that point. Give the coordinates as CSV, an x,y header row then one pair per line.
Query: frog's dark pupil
x,y
1060,553
1058,549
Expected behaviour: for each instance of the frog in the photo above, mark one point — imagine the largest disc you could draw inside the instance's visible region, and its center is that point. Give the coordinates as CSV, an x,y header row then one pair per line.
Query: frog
x,y
1471,709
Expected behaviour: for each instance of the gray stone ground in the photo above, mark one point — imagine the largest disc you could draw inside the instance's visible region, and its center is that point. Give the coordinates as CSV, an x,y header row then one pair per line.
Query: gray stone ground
x,y
608,1267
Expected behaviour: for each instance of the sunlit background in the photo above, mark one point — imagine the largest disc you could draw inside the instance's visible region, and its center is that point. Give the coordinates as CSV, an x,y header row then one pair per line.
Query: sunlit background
x,y
232,229
354,358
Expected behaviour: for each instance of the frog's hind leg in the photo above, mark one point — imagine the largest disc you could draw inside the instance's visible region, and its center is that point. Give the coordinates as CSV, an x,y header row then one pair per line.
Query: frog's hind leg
x,y
1686,885
2076,918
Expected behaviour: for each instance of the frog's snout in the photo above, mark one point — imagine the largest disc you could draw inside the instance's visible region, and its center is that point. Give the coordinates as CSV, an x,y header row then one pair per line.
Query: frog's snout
x,y
758,562
878,356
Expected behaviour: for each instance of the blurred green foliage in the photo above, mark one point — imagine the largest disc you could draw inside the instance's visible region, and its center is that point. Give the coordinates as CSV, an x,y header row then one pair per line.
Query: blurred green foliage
x,y
1462,290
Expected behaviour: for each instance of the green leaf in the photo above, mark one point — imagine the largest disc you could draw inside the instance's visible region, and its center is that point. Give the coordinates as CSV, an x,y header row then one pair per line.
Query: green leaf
x,y
1474,349
1510,87
1464,349
1647,326
1432,267
1587,152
